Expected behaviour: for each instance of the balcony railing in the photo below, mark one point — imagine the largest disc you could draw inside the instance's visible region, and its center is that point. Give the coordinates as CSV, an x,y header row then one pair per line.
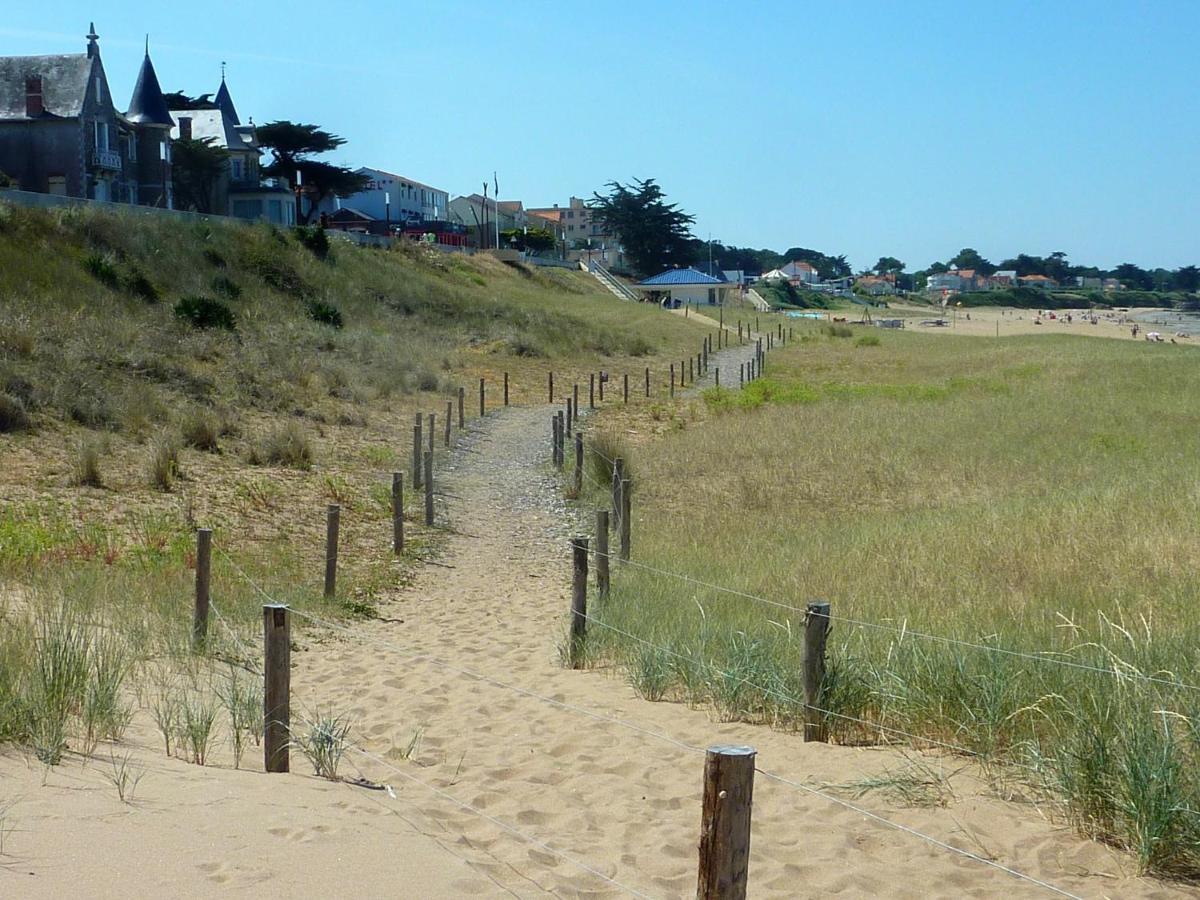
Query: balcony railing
x,y
107,159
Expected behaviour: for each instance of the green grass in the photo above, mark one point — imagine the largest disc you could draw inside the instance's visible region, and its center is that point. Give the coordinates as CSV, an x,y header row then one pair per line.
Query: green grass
x,y
1034,494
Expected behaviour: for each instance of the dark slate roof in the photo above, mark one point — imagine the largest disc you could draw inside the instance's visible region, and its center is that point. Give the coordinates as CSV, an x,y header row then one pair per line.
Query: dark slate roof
x,y
225,103
678,276
148,106
64,83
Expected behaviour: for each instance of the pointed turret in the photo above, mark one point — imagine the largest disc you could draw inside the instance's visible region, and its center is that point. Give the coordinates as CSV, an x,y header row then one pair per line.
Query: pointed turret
x,y
225,102
93,39
148,106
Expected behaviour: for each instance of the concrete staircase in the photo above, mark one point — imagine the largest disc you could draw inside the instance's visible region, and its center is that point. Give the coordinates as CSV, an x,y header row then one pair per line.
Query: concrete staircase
x,y
613,284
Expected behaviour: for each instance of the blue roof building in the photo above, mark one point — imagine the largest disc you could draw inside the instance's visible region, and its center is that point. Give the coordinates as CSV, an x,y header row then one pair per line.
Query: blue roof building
x,y
678,287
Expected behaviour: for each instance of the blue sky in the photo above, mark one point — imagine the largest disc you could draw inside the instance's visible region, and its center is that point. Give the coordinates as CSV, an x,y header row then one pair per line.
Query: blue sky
x,y
866,128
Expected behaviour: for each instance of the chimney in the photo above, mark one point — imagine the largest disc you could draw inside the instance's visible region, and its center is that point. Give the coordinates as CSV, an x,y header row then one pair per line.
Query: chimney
x,y
33,97
185,128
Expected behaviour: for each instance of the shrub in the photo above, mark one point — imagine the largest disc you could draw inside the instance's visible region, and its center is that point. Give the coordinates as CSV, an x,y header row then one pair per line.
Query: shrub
x,y
205,312
138,285
100,267
164,462
201,430
86,465
286,446
13,415
868,340
213,258
314,238
226,287
325,313
838,331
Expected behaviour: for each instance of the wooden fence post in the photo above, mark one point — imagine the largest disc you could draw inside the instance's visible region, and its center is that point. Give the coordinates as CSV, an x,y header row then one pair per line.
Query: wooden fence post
x,y
578,463
647,381
717,370
618,475
600,384
551,377
704,354
462,416
741,374
579,548
506,389
429,487
626,382
482,407
277,685
397,513
554,420
626,518
333,515
591,390
691,371
816,630
602,580
575,402
203,584
725,823
449,420
562,440
416,463
432,429
570,417
672,379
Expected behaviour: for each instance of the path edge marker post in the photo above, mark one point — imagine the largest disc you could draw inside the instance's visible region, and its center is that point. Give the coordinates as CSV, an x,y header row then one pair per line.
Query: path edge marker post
x,y
579,552
277,685
816,632
203,587
725,823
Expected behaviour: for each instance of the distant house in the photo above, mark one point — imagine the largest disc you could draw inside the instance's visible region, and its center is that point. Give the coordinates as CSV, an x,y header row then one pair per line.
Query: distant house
x,y
958,281
583,236
1042,282
676,287
395,200
477,214
800,273
60,132
1089,282
1005,278
876,285
240,191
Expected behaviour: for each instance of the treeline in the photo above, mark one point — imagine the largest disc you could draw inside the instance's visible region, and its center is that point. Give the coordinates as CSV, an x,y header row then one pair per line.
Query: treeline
x,y
1055,265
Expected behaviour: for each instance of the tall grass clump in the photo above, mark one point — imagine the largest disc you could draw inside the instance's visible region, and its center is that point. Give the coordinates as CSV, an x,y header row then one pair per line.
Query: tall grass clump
x,y
288,446
57,680
85,467
324,743
163,468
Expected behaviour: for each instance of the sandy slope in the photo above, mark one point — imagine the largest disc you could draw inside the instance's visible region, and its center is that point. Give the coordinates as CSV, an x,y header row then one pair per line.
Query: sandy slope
x,y
558,766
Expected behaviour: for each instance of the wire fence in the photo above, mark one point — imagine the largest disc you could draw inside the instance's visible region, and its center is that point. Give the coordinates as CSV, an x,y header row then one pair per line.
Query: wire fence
x,y
637,728
1119,668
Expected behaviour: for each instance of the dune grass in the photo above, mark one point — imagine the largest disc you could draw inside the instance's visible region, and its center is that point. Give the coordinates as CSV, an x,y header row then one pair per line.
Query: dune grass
x,y
1032,495
158,375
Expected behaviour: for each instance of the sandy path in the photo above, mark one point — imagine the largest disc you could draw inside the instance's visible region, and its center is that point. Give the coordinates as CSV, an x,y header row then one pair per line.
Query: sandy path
x,y
619,799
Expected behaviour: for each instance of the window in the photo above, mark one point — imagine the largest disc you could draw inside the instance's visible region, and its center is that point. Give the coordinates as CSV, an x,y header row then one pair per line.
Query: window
x,y
133,148
101,136
236,165
164,151
57,185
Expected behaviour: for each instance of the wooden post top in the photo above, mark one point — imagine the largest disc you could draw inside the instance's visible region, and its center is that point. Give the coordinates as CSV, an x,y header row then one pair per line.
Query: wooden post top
x,y
732,750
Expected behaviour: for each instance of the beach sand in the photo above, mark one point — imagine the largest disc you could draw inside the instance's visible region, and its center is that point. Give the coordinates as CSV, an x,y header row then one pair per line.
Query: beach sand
x,y
462,668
